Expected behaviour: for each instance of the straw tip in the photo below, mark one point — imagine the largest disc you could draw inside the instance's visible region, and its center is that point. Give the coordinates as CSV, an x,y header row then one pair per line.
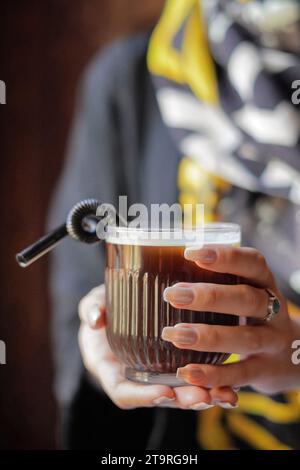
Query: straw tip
x,y
21,260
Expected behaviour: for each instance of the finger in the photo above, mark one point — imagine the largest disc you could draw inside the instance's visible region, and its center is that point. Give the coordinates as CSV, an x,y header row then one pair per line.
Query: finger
x,y
224,397
225,339
193,398
232,375
126,394
242,299
199,398
246,262
110,373
92,308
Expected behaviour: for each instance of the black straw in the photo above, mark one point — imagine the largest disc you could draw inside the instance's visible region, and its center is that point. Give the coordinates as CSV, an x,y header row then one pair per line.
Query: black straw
x,y
81,225
40,247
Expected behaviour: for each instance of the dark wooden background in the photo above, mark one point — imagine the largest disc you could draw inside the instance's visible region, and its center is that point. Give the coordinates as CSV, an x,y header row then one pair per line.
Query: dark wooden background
x,y
44,46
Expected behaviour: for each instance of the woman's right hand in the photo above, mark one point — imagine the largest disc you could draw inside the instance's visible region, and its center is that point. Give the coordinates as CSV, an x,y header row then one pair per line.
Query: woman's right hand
x,y
104,366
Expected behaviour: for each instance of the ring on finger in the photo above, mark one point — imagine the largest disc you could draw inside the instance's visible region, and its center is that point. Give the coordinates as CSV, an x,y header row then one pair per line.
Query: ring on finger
x,y
273,307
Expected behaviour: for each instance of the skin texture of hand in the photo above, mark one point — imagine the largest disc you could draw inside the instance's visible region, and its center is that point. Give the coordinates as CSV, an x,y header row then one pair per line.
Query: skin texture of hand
x,y
103,365
265,349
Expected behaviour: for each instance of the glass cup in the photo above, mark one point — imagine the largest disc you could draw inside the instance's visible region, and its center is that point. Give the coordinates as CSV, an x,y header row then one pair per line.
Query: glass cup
x,y
138,269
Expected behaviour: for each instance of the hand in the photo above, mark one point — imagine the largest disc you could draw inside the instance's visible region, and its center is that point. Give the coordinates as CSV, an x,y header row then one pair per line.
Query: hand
x,y
265,348
109,371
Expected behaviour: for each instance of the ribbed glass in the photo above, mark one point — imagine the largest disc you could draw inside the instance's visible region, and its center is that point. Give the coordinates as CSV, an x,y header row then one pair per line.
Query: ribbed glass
x,y
136,277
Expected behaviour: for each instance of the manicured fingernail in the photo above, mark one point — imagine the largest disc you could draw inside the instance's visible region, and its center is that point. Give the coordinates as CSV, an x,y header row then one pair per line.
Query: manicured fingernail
x,y
93,316
204,255
216,401
227,405
179,295
188,374
163,400
179,334
200,406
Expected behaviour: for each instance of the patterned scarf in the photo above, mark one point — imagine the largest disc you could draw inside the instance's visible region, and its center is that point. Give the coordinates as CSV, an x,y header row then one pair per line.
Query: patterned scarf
x,y
227,77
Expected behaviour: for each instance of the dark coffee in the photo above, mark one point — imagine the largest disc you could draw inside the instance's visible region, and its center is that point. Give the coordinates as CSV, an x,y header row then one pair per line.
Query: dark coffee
x,y
136,276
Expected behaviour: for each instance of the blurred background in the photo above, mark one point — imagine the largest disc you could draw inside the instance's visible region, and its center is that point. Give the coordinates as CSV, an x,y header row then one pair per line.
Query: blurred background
x,y
44,47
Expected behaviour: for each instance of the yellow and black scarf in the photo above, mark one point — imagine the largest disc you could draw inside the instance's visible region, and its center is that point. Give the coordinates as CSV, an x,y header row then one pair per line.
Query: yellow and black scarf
x,y
226,75
229,99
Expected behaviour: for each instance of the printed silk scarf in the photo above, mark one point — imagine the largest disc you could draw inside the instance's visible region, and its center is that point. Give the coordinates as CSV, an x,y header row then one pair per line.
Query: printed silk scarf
x,y
227,77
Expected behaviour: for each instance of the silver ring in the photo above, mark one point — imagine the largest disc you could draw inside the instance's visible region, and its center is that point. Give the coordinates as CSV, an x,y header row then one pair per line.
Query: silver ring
x,y
273,306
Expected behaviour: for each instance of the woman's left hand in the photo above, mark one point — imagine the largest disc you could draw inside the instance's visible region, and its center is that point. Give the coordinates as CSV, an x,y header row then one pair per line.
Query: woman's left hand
x,y
265,348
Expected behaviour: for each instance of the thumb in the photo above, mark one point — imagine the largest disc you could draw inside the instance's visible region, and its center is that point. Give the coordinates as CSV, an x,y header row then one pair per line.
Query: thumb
x,y
95,317
92,308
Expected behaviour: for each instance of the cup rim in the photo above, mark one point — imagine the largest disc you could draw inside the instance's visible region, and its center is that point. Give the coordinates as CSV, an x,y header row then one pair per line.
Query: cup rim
x,y
220,227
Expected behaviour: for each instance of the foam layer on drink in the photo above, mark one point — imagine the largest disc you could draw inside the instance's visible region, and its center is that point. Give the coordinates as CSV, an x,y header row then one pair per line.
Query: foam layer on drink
x,y
214,233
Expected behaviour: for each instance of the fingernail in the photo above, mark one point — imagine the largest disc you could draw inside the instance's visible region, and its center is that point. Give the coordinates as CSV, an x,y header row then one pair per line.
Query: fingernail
x,y
93,316
190,374
227,405
200,406
204,255
163,400
216,401
180,334
179,295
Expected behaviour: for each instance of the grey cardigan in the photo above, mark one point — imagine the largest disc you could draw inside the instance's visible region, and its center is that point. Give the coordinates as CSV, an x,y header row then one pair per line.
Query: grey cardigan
x,y
118,146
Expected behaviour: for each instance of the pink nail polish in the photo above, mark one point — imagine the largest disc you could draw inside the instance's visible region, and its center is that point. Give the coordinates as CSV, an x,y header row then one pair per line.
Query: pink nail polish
x,y
200,406
204,255
189,374
227,405
179,295
180,334
163,400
